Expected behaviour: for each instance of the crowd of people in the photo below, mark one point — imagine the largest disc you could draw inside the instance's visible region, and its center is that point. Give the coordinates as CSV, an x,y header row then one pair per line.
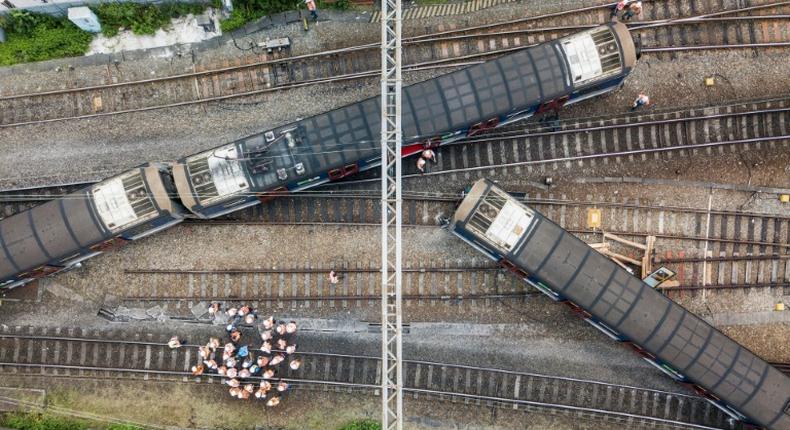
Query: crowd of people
x,y
249,371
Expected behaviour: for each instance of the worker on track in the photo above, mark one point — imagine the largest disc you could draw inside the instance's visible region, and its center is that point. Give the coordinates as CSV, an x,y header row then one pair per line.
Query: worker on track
x,y
174,342
633,8
641,100
312,8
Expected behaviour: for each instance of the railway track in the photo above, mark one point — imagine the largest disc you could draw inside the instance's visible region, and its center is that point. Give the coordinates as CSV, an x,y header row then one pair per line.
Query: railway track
x,y
465,286
746,250
713,28
184,294
77,354
20,199
658,136
533,147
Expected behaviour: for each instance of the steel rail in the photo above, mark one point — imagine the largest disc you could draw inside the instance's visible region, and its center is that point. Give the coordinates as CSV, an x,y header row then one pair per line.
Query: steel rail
x,y
634,26
4,335
297,270
494,136
422,66
762,257
574,408
405,41
450,62
416,297
589,157
297,383
588,129
219,222
408,40
681,237
608,5
703,17
336,355
724,287
375,297
716,47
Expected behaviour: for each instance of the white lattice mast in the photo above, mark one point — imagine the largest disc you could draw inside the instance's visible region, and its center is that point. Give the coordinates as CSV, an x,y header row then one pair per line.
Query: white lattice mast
x,y
391,346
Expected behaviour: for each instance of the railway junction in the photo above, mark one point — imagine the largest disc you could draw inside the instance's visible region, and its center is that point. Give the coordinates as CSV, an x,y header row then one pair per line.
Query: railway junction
x,y
694,183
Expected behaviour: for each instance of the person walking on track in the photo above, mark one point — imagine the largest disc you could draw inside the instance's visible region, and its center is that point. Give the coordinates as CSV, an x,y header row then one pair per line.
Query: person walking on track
x,y
311,7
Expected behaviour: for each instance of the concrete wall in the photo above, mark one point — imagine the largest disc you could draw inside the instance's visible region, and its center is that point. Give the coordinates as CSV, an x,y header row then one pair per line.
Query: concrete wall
x,y
59,7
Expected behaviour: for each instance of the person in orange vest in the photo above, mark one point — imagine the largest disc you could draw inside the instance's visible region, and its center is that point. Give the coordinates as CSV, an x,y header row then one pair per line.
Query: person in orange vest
x,y
311,7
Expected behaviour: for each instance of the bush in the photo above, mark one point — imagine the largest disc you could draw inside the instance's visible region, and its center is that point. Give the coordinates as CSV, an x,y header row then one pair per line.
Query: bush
x,y
24,421
123,427
236,20
362,425
245,11
141,19
36,37
337,5
22,22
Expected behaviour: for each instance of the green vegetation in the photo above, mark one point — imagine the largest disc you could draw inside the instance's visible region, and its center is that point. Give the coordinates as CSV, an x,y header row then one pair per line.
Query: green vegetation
x,y
140,18
37,37
34,421
23,421
123,427
245,11
362,425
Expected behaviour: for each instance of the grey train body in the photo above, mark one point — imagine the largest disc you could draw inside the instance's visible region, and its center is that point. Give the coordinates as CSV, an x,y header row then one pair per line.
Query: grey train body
x,y
59,235
546,255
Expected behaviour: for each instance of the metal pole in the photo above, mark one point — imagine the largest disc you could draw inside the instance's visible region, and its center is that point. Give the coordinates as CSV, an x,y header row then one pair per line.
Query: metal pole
x,y
391,217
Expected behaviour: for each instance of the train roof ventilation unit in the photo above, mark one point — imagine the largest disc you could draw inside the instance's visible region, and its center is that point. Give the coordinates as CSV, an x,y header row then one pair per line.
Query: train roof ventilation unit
x,y
592,55
500,220
123,200
216,174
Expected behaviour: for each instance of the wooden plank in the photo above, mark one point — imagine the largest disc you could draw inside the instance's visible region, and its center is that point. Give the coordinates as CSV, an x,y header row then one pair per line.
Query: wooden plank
x,y
617,238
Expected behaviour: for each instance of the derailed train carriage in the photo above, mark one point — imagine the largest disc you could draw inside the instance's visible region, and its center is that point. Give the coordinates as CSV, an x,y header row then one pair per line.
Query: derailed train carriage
x,y
60,234
435,112
674,340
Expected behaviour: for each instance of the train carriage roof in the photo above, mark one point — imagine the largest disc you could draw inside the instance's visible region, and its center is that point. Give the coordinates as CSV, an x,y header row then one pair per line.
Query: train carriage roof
x,y
448,104
44,233
430,108
628,306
